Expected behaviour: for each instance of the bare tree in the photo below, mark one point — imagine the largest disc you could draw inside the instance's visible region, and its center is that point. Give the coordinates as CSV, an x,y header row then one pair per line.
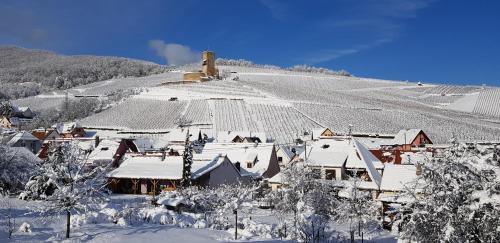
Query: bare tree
x,y
7,216
79,187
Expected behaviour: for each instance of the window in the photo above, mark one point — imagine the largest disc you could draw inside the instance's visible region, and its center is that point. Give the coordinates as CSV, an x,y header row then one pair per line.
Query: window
x,y
330,174
280,159
249,164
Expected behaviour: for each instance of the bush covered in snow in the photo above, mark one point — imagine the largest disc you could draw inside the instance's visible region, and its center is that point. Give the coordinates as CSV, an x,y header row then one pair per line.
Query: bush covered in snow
x,y
459,200
17,165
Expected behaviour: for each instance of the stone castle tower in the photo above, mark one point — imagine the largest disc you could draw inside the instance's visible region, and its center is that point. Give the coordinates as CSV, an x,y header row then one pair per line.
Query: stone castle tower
x,y
208,70
208,66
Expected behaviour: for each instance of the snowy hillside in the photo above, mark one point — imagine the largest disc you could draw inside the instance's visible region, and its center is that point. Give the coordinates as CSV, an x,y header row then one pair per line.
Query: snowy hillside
x,y
285,103
27,72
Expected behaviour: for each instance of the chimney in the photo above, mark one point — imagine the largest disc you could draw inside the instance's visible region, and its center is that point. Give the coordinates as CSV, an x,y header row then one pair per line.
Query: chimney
x,y
97,141
238,166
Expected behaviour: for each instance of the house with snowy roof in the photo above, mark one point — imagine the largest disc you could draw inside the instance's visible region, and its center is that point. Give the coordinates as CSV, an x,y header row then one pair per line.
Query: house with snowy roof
x,y
285,154
406,140
341,158
26,140
5,122
104,153
178,136
23,112
253,160
322,133
152,174
241,137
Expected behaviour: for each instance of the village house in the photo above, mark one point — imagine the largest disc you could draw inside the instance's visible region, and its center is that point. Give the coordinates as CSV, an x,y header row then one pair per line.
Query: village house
x,y
322,133
285,154
26,140
5,122
253,160
22,112
241,137
407,140
275,182
152,174
341,158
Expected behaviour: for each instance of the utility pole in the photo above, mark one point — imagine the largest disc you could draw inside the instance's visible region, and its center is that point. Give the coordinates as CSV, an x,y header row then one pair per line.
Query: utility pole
x,y
305,150
235,224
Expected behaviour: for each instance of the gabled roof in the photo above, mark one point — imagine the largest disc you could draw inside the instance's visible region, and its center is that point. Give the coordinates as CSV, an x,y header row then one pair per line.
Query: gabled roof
x,y
286,151
228,136
26,136
355,155
396,177
169,169
318,133
326,158
241,152
106,150
405,136
370,161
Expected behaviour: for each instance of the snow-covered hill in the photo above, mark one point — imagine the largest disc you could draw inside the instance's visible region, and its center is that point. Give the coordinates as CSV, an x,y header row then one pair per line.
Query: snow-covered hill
x,y
284,104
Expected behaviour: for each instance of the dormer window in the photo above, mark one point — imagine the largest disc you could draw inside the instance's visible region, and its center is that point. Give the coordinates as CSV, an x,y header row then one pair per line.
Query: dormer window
x,y
249,164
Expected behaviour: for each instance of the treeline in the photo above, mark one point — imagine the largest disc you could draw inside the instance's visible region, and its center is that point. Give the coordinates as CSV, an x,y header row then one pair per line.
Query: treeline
x,y
298,68
25,72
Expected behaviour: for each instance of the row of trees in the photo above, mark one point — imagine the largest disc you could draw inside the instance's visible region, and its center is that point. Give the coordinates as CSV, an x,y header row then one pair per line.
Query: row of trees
x,y
298,68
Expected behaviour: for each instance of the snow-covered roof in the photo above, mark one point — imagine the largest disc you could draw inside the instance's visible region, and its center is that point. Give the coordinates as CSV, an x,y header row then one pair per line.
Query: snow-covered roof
x,y
286,151
405,136
356,156
341,145
228,136
26,136
369,162
327,158
415,157
374,142
170,168
316,133
397,176
106,150
275,179
241,152
179,135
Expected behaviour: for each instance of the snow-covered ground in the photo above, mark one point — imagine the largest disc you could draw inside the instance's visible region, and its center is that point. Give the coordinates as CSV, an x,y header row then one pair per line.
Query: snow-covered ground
x,y
259,222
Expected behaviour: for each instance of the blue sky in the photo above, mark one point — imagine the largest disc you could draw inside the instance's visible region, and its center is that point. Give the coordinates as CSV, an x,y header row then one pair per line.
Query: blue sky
x,y
448,41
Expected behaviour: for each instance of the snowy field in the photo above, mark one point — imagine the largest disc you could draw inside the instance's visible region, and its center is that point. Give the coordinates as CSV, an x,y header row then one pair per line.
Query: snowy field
x,y
284,104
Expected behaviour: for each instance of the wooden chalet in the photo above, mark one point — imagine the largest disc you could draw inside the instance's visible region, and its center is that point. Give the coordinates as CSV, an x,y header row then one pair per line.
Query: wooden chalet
x,y
150,175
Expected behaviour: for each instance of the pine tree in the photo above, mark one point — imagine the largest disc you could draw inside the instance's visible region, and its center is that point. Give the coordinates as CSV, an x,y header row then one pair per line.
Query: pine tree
x,y
187,162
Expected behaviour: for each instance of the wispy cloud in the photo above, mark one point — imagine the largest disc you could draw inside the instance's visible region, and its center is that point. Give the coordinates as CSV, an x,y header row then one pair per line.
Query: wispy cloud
x,y
331,54
374,22
279,9
174,54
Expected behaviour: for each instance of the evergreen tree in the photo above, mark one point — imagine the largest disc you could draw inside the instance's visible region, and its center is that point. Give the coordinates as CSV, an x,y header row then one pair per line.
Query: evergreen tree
x,y
187,162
